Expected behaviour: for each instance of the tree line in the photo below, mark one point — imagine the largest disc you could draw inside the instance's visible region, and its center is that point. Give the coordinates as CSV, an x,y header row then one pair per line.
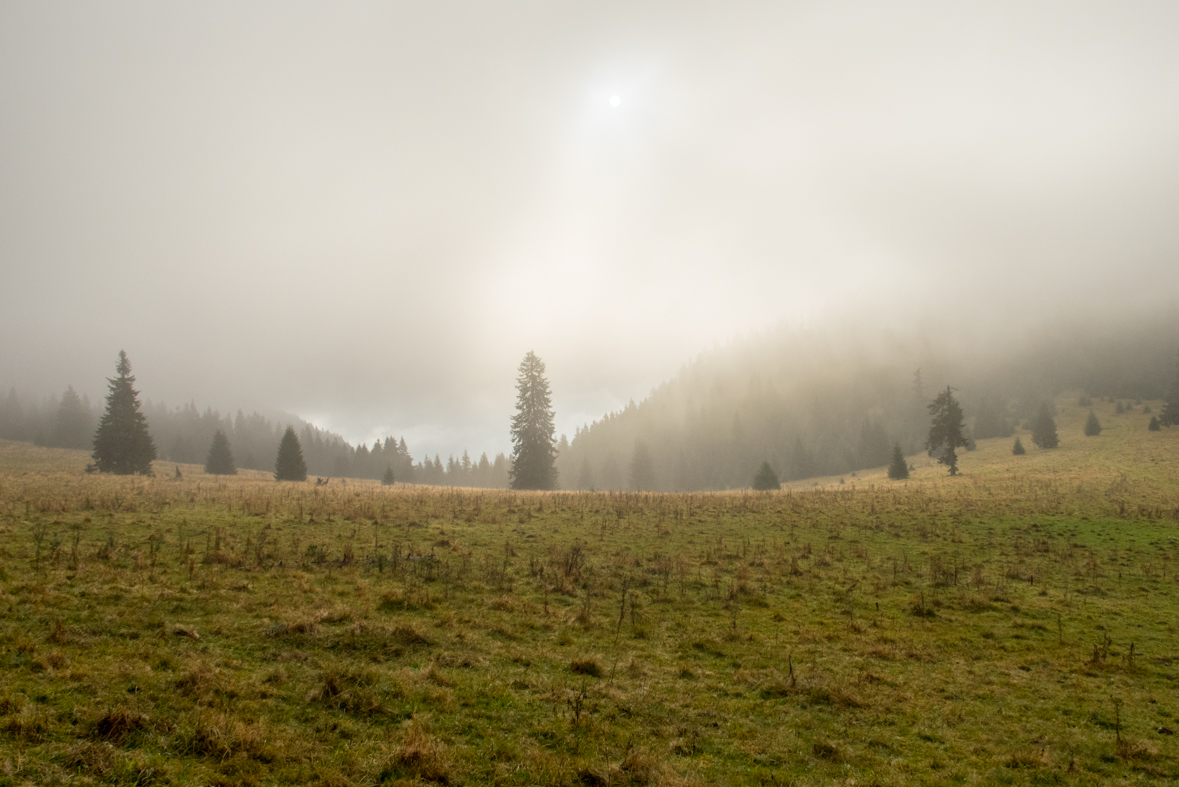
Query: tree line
x,y
185,434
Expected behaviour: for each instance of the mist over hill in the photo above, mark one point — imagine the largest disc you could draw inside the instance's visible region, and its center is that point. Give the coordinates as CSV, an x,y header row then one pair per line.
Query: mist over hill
x,y
834,400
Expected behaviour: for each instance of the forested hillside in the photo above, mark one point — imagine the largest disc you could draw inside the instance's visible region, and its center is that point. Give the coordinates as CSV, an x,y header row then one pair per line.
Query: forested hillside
x,y
828,402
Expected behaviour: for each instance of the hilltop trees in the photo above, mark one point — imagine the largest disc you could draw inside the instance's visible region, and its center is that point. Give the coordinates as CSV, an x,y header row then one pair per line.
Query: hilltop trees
x,y
898,469
289,466
122,444
765,479
1044,429
1092,425
220,458
534,450
946,429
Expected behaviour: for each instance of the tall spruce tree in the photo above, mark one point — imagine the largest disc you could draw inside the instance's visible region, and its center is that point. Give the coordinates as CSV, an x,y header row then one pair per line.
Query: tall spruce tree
x,y
534,450
289,465
898,469
220,458
946,429
122,444
1092,425
1044,429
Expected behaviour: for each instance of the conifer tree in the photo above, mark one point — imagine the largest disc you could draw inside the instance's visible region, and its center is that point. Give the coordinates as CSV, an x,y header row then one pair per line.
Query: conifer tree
x,y
1044,429
533,444
1092,425
946,429
122,444
289,465
898,469
388,479
765,479
1154,425
220,458
1018,448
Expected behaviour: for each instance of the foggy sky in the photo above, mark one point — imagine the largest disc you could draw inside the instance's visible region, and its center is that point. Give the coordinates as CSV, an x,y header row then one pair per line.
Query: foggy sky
x,y
367,213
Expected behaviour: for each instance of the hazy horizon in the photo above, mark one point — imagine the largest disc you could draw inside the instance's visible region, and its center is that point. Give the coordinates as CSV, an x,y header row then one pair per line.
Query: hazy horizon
x,y
366,214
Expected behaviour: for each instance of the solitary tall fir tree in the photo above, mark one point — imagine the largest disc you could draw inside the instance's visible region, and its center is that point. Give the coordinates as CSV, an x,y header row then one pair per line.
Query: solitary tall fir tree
x,y
946,429
534,449
122,444
289,465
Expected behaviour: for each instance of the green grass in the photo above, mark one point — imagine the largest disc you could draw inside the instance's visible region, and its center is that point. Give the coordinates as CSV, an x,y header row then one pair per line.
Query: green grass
x,y
974,630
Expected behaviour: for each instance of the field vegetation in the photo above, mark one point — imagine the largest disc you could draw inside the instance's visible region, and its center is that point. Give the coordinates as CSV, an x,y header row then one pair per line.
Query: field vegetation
x,y
1013,625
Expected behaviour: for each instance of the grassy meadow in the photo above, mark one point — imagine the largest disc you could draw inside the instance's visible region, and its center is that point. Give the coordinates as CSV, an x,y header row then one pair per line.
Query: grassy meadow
x,y
1014,625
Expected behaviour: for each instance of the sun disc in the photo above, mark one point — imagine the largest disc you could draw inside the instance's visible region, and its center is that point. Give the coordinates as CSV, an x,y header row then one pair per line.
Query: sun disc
x,y
615,101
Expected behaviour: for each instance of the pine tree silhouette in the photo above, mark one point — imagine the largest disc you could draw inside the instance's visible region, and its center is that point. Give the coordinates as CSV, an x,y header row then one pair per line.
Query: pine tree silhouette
x,y
898,469
220,458
1092,425
533,446
765,479
1044,429
1018,448
946,429
289,465
122,444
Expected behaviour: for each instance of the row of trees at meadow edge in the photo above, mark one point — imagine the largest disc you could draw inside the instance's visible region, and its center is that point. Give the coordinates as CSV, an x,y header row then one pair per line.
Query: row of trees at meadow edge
x,y
186,435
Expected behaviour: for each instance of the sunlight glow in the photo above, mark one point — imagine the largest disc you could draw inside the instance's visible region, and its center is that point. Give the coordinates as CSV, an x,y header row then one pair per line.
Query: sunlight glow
x,y
615,101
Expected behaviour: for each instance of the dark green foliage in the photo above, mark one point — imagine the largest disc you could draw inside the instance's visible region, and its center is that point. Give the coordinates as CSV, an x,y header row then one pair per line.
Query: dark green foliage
x,y
388,479
898,469
1018,448
642,468
766,479
1044,429
534,450
220,458
1170,412
289,466
122,444
1155,425
1092,425
1119,408
72,427
946,429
